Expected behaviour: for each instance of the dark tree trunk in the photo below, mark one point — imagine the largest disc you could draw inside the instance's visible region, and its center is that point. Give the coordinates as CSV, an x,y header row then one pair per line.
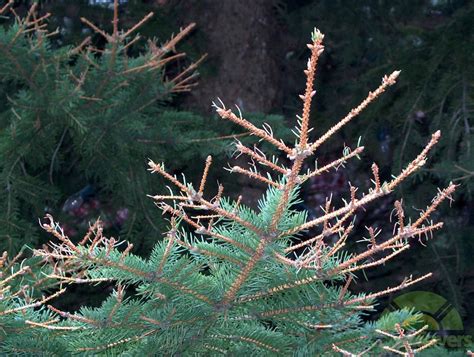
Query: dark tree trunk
x,y
243,42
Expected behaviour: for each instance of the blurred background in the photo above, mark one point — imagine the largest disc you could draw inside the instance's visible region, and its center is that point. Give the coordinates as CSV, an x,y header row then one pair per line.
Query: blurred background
x,y
256,56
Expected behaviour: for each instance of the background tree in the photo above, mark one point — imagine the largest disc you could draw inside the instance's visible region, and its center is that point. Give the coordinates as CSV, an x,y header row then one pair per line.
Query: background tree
x,y
77,123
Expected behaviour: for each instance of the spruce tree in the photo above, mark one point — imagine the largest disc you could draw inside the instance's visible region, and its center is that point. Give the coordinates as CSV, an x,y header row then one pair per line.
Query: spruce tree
x,y
229,279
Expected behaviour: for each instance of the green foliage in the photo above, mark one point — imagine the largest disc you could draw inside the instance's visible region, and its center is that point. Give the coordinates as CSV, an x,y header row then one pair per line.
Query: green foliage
x,y
69,118
177,309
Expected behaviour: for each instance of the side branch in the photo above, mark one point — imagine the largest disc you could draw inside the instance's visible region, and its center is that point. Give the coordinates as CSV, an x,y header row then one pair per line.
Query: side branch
x,y
229,115
386,82
334,164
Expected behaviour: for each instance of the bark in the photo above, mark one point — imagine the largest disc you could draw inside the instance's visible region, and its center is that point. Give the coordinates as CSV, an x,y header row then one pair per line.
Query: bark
x,y
242,40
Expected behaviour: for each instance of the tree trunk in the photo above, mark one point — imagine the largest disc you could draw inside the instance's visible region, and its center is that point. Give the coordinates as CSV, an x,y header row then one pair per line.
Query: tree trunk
x,y
242,40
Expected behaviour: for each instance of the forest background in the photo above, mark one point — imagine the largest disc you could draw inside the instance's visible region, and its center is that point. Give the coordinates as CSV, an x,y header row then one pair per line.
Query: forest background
x,y
255,60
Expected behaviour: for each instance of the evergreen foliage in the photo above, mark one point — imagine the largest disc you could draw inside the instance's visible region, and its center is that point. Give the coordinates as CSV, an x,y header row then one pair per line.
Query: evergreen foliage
x,y
80,121
241,281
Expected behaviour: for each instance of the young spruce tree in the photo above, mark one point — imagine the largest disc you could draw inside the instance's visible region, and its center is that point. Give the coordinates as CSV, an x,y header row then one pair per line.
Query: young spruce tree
x,y
242,281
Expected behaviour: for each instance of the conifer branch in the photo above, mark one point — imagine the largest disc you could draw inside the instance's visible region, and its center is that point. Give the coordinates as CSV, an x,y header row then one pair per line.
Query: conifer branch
x,y
229,115
247,339
316,50
170,45
204,175
349,354
260,158
97,29
255,176
327,232
386,82
48,325
33,305
73,317
404,340
407,233
117,343
195,197
171,236
137,25
202,230
244,274
287,286
416,163
6,6
404,284
334,164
